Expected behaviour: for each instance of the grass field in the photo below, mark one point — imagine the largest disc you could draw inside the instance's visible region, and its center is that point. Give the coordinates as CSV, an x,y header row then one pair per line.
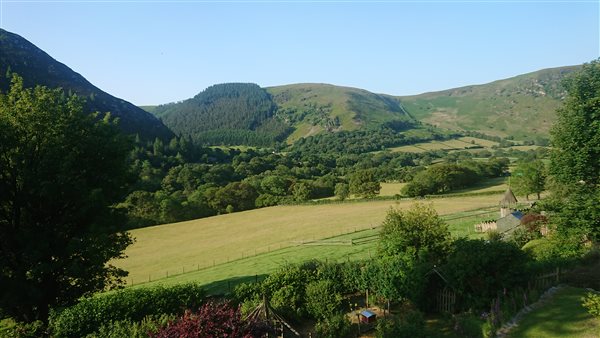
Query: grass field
x,y
562,317
359,244
391,189
479,141
185,246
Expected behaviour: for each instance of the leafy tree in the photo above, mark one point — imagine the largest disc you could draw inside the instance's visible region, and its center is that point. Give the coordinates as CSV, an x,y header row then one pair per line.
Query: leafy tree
x,y
342,191
575,158
529,178
322,301
419,229
364,184
576,132
60,172
478,270
301,191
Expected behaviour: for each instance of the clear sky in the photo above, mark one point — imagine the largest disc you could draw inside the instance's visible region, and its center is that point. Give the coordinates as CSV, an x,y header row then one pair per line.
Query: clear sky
x,y
152,52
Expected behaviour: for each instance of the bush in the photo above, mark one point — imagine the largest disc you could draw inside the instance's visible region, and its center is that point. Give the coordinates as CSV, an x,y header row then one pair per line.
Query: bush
x,y
322,301
212,320
470,326
337,326
11,328
90,314
131,329
591,302
479,270
410,324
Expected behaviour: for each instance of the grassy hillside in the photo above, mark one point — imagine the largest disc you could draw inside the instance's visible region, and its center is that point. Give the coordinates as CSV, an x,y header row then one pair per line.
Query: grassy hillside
x,y
523,106
217,240
314,108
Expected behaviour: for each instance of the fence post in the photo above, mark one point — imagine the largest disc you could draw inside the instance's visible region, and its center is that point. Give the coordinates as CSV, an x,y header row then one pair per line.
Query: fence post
x,y
557,274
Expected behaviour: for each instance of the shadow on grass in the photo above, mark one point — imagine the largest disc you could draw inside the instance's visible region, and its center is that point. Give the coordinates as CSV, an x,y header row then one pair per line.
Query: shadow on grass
x,y
562,316
226,286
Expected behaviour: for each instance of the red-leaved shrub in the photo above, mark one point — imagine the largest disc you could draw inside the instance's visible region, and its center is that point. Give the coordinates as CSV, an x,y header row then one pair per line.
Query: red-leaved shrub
x,y
213,319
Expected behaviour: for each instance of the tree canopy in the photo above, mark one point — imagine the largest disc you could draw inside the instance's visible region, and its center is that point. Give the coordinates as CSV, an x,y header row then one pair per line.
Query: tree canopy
x,y
576,132
60,172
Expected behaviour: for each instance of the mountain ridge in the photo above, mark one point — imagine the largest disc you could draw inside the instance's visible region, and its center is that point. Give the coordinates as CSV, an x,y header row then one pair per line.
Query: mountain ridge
x,y
521,107
36,67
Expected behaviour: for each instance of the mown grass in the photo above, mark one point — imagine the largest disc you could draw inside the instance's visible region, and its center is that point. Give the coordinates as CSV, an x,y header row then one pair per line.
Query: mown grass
x,y
391,189
356,245
186,246
561,317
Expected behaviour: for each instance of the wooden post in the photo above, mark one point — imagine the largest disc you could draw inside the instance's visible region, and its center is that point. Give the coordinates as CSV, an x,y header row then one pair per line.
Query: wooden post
x,y
557,275
358,317
367,298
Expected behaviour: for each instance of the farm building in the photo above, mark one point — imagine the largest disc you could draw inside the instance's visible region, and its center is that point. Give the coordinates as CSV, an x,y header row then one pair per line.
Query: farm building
x,y
509,220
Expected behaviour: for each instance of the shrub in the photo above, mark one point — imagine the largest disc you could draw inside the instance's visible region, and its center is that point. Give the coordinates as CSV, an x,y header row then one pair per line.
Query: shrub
x,y
11,328
337,326
478,270
131,329
470,326
410,324
90,314
212,320
322,301
591,302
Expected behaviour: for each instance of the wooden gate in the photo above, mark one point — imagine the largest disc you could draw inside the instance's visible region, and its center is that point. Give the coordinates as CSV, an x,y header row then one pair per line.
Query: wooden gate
x,y
445,300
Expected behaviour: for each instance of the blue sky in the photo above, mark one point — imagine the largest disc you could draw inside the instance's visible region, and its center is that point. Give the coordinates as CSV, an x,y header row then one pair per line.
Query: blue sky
x,y
152,52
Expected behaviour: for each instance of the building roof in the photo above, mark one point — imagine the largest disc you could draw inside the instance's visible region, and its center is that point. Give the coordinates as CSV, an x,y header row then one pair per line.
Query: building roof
x,y
508,198
367,313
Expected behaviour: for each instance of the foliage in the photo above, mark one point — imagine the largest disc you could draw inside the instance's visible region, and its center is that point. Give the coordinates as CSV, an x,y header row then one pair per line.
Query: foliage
x,y
231,113
418,229
408,324
468,325
337,326
529,178
132,329
478,270
444,177
58,180
364,184
322,300
212,320
591,302
342,191
364,141
12,329
129,304
576,133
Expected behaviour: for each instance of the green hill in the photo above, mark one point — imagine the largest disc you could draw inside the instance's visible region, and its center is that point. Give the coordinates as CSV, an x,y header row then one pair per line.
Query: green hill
x,y
244,113
231,113
523,106
316,108
19,56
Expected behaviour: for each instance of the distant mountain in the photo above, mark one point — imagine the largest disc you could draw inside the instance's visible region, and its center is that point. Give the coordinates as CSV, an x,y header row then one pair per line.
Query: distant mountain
x,y
244,113
523,106
37,68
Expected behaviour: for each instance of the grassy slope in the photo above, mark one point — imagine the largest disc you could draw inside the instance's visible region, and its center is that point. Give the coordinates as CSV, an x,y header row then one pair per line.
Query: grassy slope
x,y
216,240
562,316
354,107
520,106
